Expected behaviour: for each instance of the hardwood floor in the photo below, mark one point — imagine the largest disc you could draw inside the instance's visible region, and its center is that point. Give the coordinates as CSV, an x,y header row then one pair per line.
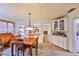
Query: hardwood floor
x,y
48,49
45,49
52,50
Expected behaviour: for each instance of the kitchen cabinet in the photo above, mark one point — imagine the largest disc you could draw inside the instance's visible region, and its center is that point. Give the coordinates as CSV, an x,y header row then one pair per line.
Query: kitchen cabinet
x,y
59,32
60,41
56,25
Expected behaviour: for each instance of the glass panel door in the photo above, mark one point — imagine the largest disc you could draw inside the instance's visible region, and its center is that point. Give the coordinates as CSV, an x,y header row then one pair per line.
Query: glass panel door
x,y
61,24
55,25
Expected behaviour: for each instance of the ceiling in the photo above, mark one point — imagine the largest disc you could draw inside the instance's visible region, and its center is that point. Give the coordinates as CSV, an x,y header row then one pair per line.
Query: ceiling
x,y
38,10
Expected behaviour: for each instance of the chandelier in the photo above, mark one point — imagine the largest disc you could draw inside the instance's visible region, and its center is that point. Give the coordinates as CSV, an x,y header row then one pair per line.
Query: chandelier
x,y
29,14
29,27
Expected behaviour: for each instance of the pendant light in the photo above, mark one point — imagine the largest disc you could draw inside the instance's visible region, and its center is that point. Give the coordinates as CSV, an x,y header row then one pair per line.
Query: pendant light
x,y
29,23
29,14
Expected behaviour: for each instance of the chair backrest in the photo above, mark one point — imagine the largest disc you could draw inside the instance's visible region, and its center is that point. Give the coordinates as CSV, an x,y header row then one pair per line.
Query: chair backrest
x,y
0,41
5,37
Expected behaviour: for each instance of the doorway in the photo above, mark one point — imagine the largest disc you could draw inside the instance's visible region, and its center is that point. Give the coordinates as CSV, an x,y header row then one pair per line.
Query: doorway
x,y
45,37
46,33
76,35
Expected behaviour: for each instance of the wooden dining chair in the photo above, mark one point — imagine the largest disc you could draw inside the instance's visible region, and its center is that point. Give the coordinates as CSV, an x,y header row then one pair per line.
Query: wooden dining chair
x,y
35,45
20,47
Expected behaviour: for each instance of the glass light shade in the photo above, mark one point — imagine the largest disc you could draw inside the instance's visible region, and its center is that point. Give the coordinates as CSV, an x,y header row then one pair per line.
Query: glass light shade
x,y
29,28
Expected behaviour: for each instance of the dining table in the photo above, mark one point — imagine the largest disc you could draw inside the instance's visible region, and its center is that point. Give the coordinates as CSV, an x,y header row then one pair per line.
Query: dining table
x,y
28,43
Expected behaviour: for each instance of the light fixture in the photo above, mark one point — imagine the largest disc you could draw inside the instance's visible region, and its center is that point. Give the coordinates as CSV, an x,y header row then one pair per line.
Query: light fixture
x,y
29,27
29,14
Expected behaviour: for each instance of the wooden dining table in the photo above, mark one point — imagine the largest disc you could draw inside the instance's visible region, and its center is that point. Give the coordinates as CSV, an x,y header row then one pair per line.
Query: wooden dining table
x,y
27,42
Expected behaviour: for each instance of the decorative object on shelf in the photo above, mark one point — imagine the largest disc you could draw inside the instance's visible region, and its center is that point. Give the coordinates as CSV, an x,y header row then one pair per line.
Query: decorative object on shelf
x,y
59,33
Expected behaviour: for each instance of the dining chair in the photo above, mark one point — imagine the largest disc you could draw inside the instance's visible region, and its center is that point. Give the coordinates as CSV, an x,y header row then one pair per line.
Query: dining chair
x,y
20,47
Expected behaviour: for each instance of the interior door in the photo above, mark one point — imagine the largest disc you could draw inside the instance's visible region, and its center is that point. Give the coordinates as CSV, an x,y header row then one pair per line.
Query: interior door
x,y
77,37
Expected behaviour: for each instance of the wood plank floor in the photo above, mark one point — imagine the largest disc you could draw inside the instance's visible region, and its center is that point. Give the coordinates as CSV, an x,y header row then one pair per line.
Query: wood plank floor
x,y
45,49
48,49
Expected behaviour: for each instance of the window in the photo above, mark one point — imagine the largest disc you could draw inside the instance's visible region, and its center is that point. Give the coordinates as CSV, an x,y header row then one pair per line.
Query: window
x,y
11,27
3,27
7,26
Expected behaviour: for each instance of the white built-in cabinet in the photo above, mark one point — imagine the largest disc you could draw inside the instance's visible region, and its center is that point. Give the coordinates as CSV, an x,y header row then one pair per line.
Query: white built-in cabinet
x,y
59,25
60,41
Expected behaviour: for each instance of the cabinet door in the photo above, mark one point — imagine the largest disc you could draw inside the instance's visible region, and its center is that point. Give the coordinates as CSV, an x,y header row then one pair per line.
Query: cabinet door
x,y
61,24
53,41
65,43
61,42
56,25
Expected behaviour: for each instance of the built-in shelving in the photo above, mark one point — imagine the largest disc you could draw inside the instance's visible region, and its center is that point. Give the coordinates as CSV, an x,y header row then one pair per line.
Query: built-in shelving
x,y
59,32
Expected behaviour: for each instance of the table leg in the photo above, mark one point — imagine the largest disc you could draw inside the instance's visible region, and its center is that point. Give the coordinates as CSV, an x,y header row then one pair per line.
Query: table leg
x,y
23,49
18,52
36,48
12,50
30,50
